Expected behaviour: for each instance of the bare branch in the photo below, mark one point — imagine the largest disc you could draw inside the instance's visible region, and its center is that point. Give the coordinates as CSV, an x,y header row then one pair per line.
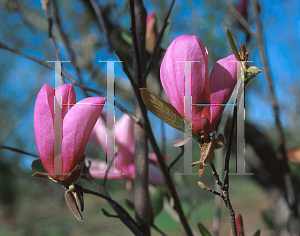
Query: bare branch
x,y
122,213
18,150
240,18
69,77
50,36
176,159
290,190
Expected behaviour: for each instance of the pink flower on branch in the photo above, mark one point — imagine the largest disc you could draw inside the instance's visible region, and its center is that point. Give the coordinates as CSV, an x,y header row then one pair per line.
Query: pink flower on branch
x,y
207,90
124,160
78,120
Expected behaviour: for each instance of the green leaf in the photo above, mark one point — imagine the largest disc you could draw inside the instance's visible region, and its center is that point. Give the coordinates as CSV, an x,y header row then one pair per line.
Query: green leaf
x,y
203,230
257,233
232,44
162,109
158,200
37,166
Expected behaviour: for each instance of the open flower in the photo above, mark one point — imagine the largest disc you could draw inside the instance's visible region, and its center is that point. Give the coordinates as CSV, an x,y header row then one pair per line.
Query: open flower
x,y
215,88
78,121
124,160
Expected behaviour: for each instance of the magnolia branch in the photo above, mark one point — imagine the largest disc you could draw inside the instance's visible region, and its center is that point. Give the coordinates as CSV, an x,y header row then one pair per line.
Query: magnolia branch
x,y
290,190
157,42
67,43
138,16
13,149
122,214
50,36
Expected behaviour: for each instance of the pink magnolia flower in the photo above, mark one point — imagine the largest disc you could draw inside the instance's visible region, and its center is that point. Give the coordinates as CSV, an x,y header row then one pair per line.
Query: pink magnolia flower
x,y
77,124
215,88
124,160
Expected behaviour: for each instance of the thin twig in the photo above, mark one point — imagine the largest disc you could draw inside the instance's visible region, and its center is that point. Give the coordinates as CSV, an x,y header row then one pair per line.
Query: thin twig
x,y
158,230
108,169
13,149
69,77
106,213
125,69
103,28
157,42
176,159
216,175
240,18
123,215
111,201
50,36
67,43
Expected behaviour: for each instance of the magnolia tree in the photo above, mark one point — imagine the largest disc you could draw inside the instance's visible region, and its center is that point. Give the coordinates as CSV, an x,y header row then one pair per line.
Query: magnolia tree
x,y
197,98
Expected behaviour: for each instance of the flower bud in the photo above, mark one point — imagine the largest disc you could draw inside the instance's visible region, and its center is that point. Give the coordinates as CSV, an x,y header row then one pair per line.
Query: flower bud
x,y
78,121
151,32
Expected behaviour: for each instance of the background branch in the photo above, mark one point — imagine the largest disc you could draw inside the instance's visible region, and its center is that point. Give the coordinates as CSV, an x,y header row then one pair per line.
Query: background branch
x,y
69,77
141,195
293,223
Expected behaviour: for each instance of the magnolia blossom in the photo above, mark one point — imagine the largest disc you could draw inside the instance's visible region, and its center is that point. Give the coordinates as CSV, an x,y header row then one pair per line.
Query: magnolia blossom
x,y
215,88
78,121
124,160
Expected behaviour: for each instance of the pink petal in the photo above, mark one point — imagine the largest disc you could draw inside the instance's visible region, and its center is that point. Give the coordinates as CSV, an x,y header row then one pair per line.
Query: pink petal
x,y
98,135
77,127
43,126
155,175
172,73
222,81
98,168
65,94
153,158
124,138
124,133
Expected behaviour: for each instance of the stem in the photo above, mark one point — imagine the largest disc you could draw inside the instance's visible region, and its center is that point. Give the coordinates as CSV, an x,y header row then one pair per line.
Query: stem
x,y
67,43
112,203
141,196
290,191
50,36
176,159
18,150
123,215
157,43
